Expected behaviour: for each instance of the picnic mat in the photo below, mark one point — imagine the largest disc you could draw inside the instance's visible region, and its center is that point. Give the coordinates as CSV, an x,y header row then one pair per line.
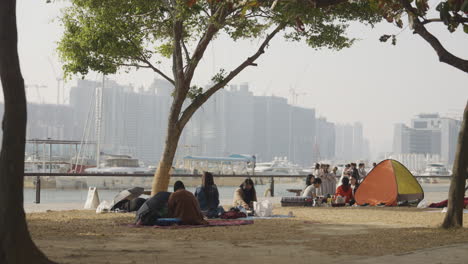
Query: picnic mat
x,y
211,223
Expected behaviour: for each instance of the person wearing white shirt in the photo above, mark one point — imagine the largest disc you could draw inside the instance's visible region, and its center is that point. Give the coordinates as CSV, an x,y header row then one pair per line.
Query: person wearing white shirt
x,y
313,190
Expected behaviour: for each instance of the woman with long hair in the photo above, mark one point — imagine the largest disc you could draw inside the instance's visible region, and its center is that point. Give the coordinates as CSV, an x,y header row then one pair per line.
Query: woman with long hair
x,y
208,196
354,184
309,180
245,195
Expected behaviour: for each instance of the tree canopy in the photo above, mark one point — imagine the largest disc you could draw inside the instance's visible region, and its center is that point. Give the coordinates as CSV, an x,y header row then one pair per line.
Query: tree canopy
x,y
107,35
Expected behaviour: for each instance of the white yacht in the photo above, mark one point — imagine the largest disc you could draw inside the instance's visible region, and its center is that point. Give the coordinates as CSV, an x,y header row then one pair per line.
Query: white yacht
x,y
279,166
436,169
118,164
32,164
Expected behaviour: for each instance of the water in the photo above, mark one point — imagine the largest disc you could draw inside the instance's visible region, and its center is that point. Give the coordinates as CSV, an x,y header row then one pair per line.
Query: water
x,y
434,192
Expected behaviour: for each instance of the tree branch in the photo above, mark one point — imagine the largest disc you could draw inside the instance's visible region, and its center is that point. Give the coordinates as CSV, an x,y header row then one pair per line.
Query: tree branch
x,y
250,61
145,60
456,19
156,70
212,29
318,3
444,55
187,55
177,63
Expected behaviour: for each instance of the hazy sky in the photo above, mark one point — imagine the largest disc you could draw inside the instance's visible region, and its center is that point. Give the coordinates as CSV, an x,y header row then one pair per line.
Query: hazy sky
x,y
372,82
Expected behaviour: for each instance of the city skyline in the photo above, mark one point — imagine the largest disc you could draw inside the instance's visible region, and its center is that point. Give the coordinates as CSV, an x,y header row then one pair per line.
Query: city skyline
x,y
234,121
389,83
373,154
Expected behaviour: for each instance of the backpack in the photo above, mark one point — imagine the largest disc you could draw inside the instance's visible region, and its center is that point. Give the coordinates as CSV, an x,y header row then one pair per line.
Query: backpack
x,y
232,214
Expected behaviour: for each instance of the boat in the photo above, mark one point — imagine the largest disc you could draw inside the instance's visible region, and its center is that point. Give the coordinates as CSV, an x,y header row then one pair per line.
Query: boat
x,y
54,165
279,166
436,169
233,164
118,164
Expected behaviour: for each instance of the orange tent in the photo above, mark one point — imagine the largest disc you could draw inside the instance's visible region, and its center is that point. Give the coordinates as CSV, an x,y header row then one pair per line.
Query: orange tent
x,y
388,183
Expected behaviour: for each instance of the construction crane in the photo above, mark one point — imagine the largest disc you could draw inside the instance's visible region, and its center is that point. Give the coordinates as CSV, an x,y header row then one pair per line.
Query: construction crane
x,y
58,78
295,95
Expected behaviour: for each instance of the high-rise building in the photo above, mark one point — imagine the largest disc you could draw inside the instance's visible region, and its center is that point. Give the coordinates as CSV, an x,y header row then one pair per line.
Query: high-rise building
x,y
350,142
428,134
134,121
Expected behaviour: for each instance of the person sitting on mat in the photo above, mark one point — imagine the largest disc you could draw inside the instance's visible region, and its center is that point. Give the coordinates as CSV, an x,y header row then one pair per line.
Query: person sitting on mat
x,y
314,189
245,195
208,196
345,190
153,209
309,181
183,205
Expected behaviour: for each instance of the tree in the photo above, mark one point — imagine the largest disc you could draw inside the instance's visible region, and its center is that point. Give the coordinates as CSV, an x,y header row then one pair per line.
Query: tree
x,y
453,14
16,246
106,36
454,216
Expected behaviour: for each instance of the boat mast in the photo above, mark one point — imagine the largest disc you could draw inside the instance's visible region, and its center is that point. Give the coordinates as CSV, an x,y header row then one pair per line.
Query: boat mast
x,y
99,91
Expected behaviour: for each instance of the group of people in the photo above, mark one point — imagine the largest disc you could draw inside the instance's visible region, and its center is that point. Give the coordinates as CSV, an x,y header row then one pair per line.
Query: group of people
x,y
322,183
193,209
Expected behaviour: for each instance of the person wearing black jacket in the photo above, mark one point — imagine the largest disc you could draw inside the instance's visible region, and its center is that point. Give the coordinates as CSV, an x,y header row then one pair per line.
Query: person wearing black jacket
x,y
154,208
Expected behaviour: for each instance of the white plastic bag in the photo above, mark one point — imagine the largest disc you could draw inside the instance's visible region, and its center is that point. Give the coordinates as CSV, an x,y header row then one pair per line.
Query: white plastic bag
x,y
263,208
104,207
423,204
340,200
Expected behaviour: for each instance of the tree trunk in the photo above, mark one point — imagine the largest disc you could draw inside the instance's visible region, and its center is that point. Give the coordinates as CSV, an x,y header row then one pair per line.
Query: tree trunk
x,y
16,246
162,174
454,216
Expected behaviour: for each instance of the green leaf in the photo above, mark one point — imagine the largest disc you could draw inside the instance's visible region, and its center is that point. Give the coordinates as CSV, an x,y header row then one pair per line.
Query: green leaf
x,y
465,28
443,9
384,38
464,6
422,6
165,50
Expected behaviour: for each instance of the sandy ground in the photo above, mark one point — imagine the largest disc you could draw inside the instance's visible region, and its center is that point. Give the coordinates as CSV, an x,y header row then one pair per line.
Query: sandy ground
x,y
314,235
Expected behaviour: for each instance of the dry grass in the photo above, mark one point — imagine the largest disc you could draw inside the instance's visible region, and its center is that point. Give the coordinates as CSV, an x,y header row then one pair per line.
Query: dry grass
x,y
331,233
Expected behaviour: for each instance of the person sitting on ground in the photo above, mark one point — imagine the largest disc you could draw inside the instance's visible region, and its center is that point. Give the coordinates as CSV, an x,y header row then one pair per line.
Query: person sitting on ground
x,y
154,208
245,195
309,181
354,187
345,190
183,205
314,189
208,196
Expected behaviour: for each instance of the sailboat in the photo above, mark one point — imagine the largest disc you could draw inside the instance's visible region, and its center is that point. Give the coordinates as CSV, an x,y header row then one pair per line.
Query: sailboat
x,y
112,163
